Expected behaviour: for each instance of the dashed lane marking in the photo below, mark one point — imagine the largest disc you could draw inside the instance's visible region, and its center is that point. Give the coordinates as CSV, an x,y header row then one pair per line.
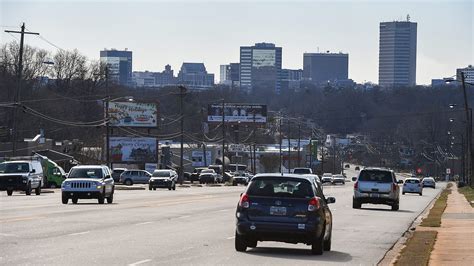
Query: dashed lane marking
x,y
139,262
80,233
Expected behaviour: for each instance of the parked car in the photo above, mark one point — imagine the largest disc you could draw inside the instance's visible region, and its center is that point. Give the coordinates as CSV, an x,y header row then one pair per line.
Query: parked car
x,y
302,171
196,173
412,185
21,176
338,179
130,177
187,176
88,182
376,186
316,179
116,172
429,182
240,178
326,178
163,178
285,208
227,177
209,176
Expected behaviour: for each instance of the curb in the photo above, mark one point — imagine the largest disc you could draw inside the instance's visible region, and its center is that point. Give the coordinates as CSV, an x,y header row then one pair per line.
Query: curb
x,y
391,254
129,188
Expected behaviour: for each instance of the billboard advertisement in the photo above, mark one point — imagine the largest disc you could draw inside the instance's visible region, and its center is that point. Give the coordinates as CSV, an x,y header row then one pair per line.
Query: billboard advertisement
x,y
197,158
131,114
130,149
235,113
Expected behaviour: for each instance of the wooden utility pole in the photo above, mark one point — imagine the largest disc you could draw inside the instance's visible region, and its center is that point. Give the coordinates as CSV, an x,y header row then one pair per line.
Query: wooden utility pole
x,y
18,92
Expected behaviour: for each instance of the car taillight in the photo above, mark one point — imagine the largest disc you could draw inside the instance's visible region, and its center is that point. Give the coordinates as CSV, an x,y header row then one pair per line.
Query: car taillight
x,y
394,186
356,185
244,201
313,204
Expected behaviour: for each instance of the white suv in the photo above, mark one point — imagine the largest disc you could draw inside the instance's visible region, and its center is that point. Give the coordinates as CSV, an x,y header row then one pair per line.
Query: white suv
x,y
88,182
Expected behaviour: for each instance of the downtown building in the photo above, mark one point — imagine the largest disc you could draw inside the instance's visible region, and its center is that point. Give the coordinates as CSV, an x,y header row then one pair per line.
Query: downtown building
x,y
260,67
397,53
324,68
195,76
154,79
468,74
119,65
230,74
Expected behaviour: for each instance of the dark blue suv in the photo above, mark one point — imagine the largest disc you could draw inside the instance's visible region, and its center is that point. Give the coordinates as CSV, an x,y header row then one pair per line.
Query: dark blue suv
x,y
286,208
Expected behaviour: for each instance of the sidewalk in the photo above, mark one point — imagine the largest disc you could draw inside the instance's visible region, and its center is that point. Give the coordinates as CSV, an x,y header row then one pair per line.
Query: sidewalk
x,y
455,241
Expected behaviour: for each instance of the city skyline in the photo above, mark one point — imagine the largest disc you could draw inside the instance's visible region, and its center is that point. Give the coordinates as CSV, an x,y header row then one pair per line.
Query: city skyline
x,y
208,32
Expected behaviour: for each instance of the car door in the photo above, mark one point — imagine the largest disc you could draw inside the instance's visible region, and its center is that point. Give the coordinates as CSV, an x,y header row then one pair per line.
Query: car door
x,y
146,177
327,212
108,180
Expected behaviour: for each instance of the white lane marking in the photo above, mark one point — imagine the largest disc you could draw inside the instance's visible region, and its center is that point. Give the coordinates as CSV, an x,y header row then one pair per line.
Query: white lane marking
x,y
225,210
184,216
144,223
2,234
80,233
139,262
231,237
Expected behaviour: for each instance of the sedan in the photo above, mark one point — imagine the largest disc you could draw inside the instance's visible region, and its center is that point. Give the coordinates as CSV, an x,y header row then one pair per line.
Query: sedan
x,y
285,208
163,179
429,182
412,185
338,179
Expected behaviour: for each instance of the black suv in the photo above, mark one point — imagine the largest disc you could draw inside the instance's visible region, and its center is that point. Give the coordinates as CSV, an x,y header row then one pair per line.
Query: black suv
x,y
286,208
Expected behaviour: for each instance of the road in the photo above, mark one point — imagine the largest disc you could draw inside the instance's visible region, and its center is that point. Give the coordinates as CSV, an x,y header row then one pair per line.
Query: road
x,y
187,226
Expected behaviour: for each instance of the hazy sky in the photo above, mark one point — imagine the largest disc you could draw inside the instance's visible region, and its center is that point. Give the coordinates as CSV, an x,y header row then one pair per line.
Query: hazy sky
x,y
172,32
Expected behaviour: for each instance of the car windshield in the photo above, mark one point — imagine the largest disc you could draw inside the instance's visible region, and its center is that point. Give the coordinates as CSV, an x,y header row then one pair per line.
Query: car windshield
x,y
376,176
302,171
280,187
161,174
85,173
6,168
327,175
207,171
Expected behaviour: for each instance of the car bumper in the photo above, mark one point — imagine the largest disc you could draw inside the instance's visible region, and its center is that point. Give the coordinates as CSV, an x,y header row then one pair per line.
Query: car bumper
x,y
82,194
160,184
375,198
341,181
240,181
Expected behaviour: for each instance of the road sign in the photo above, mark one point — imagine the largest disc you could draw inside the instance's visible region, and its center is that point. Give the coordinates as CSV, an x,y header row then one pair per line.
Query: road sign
x,y
448,171
236,147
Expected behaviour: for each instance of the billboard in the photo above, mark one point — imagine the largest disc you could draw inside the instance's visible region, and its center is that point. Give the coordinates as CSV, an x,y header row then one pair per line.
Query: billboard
x,y
130,149
197,158
131,114
234,113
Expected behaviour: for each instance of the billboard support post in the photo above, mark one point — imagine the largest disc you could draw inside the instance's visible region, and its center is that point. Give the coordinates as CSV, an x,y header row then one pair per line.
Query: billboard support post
x,y
223,135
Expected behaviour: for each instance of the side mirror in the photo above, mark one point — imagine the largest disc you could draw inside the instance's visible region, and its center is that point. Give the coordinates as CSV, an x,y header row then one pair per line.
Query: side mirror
x,y
400,182
330,200
33,171
354,178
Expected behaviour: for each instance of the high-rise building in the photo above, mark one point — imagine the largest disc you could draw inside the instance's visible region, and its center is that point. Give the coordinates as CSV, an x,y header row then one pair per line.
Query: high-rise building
x,y
230,74
291,79
260,67
154,79
195,76
119,65
468,74
326,67
397,53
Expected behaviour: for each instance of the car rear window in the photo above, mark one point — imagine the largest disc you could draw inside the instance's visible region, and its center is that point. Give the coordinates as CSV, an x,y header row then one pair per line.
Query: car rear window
x,y
302,171
412,181
376,176
280,187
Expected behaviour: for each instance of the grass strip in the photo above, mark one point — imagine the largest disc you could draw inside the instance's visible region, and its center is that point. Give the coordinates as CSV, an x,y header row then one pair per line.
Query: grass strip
x,y
468,192
434,217
417,249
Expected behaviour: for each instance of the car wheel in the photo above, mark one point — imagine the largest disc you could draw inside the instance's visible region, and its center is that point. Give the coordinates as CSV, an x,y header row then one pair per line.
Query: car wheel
x,y
101,198
150,188
154,188
421,193
110,199
128,182
38,190
395,207
52,185
252,243
9,192
174,186
403,193
327,243
317,247
28,189
234,183
64,199
356,204
240,244
75,200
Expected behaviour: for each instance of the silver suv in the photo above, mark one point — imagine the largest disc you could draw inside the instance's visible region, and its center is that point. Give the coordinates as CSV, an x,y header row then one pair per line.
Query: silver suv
x,y
131,177
88,182
376,186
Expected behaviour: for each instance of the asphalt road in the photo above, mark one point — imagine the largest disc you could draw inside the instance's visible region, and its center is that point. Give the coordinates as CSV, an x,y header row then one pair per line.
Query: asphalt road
x,y
187,226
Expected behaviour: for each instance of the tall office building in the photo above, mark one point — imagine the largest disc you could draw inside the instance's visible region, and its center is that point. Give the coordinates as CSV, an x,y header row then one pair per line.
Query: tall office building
x,y
397,53
230,74
119,65
326,67
260,67
195,76
468,74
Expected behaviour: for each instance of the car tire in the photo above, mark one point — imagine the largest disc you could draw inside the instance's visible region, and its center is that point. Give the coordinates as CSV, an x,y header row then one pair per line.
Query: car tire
x,y
174,186
64,199
38,190
395,207
110,199
317,247
421,193
327,243
28,189
154,188
128,182
9,192
252,243
234,183
240,243
101,198
75,200
356,204
403,193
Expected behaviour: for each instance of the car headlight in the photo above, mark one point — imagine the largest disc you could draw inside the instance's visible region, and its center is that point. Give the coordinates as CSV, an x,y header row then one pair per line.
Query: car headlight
x,y
66,185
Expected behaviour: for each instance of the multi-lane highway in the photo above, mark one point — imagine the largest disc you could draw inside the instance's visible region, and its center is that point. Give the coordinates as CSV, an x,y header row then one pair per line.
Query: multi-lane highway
x,y
187,226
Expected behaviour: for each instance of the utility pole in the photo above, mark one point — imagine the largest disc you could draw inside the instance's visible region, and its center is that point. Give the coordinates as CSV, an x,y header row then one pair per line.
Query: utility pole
x,y
254,144
223,136
299,143
107,131
289,146
322,158
470,161
182,93
279,129
18,92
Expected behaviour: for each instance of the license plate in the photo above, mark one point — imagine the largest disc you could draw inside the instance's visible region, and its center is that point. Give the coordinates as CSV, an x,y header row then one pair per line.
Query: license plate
x,y
374,195
275,210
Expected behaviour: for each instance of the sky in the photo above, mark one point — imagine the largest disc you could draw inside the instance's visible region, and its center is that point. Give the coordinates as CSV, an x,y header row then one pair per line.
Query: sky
x,y
173,32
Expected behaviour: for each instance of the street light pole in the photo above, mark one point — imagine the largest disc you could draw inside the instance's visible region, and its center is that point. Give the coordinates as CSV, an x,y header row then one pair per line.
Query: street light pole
x,y
223,136
468,111
182,93
107,131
